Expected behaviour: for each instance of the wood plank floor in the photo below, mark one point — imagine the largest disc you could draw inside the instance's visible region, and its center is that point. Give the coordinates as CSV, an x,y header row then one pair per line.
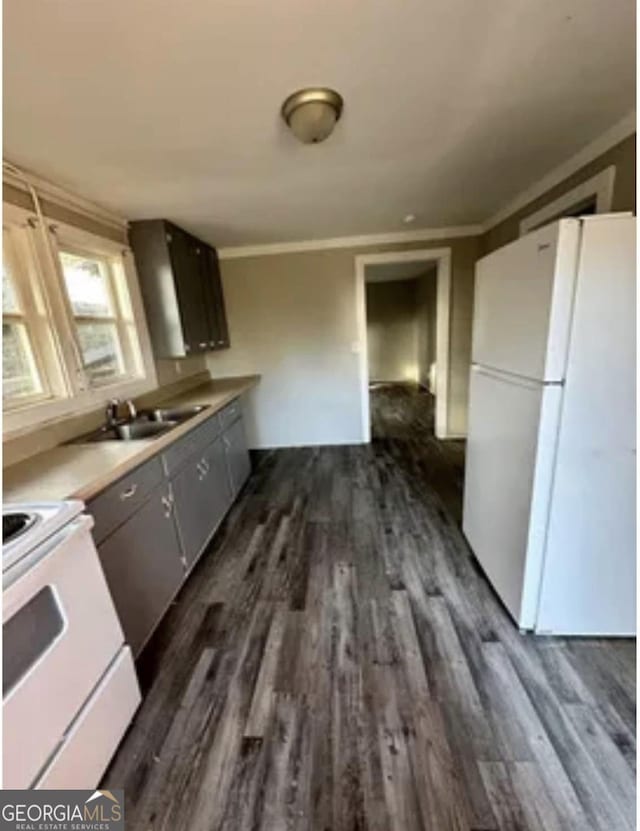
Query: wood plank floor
x,y
338,662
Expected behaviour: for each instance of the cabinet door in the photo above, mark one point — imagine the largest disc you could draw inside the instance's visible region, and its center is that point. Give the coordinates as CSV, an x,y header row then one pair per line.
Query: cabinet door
x,y
218,481
202,496
210,299
218,330
238,460
143,567
186,266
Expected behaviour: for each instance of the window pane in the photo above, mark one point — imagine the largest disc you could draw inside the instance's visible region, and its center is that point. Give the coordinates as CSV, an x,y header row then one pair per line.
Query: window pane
x,y
9,298
87,284
101,351
19,374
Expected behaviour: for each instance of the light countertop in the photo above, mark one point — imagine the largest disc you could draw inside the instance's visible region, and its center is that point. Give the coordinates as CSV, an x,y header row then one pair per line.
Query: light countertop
x,y
80,471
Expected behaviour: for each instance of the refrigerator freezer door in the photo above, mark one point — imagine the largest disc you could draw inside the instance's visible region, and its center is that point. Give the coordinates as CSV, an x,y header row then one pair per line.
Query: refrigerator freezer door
x,y
589,580
510,447
523,300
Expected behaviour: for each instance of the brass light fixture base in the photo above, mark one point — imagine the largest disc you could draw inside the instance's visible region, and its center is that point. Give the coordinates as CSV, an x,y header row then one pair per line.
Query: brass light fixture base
x,y
309,95
312,113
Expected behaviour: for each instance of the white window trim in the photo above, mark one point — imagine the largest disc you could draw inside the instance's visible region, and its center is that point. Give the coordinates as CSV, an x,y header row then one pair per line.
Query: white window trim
x,y
18,419
599,186
32,314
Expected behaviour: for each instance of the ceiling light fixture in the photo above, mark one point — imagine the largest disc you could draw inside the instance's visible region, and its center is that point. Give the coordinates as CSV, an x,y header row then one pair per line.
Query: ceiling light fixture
x,y
312,113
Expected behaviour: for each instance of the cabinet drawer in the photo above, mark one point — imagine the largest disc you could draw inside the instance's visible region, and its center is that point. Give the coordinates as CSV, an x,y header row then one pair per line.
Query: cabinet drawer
x,y
113,506
230,413
194,442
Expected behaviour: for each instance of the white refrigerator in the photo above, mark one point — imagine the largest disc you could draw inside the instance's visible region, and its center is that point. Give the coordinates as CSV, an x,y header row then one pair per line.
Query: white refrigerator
x,y
549,496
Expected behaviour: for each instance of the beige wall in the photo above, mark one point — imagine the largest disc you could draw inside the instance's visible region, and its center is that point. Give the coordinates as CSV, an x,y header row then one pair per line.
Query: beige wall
x,y
168,372
292,318
426,310
392,330
623,156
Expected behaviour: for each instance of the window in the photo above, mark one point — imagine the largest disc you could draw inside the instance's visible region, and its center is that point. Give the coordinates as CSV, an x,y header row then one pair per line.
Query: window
x,y
90,291
73,329
28,354
21,378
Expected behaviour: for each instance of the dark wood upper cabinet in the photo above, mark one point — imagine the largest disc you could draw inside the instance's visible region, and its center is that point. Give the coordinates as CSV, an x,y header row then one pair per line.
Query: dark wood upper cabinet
x,y
219,332
181,289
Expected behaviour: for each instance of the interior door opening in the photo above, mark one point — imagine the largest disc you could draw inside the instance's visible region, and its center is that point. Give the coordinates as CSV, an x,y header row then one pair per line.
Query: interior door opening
x,y
403,303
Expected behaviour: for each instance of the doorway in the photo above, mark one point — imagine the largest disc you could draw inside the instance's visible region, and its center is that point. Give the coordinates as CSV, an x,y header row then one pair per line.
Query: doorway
x,y
427,265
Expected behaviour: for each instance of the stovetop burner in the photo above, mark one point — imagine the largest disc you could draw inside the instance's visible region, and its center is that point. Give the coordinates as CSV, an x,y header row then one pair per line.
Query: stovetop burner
x,y
15,524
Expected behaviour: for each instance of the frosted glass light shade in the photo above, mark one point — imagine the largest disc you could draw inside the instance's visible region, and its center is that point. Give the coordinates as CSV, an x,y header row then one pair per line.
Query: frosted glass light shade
x,y
312,114
313,122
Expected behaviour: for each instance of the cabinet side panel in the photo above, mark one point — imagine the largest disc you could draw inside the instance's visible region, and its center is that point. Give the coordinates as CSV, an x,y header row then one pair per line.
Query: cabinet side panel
x,y
153,263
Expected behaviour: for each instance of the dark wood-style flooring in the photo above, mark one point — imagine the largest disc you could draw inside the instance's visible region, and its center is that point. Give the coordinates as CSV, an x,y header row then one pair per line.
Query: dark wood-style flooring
x,y
338,662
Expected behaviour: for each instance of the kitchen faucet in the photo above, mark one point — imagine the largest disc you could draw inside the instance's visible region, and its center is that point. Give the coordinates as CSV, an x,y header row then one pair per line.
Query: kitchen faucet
x,y
111,413
113,406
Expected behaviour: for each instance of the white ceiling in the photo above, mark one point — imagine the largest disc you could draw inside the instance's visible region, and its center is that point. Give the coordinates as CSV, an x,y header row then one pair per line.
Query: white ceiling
x,y
452,107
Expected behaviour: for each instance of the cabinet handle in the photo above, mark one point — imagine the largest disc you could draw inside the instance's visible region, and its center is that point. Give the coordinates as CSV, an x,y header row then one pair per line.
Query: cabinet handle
x,y
168,505
212,343
129,492
204,345
221,342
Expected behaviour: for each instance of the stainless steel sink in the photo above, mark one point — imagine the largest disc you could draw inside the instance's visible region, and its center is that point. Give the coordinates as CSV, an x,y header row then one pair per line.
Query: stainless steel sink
x,y
142,429
164,415
128,431
147,425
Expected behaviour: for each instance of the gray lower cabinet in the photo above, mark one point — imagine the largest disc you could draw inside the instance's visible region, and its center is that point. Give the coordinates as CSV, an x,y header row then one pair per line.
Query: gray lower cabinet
x,y
152,525
237,455
143,566
202,496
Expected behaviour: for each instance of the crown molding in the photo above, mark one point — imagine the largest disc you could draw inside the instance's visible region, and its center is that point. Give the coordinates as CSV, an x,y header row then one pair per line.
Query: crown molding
x,y
614,135
362,241
23,179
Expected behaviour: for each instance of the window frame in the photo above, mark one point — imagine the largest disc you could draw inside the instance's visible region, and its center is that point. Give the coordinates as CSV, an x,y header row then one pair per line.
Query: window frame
x,y
71,393
127,343
22,316
28,286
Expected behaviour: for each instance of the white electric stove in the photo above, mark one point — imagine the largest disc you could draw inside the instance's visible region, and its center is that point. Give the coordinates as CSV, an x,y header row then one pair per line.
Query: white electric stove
x,y
69,686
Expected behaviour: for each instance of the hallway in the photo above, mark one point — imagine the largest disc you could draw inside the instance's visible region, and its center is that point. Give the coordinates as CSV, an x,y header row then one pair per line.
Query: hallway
x,y
338,662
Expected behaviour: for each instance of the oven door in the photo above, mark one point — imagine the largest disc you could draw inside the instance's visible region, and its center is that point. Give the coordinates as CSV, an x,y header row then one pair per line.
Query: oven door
x,y
60,633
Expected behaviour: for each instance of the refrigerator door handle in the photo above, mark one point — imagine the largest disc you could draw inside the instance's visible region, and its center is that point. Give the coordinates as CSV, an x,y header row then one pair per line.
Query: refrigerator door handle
x,y
507,377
